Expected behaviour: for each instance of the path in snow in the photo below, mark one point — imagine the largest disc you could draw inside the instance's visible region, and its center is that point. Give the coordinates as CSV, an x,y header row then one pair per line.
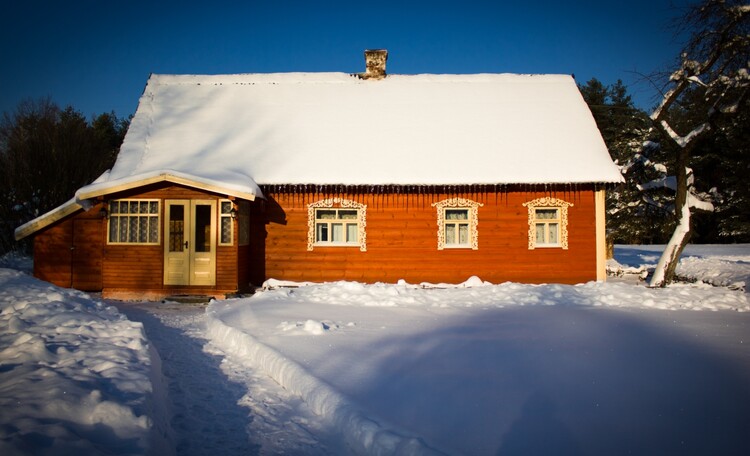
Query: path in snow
x,y
205,416
220,407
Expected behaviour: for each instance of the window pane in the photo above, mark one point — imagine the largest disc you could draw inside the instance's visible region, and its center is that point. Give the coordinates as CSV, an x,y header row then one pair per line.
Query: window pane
x,y
124,207
337,232
456,214
202,233
351,232
325,214
153,207
540,233
226,230
546,214
133,229
122,236
143,207
348,215
142,229
450,233
226,207
321,232
113,224
134,207
463,233
114,207
553,230
153,229
244,227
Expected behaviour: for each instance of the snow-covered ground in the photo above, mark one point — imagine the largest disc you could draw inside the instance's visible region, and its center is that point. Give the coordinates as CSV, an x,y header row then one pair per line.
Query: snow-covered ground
x,y
76,377
342,368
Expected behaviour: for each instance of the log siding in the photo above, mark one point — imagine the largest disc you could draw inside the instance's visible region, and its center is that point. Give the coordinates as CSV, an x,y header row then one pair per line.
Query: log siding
x,y
402,239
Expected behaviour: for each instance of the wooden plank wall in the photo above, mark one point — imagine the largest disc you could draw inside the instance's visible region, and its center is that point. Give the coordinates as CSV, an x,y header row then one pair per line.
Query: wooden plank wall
x,y
52,254
122,270
402,241
141,267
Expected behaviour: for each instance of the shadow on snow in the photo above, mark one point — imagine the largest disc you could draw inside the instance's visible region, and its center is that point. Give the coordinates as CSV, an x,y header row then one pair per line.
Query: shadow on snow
x,y
557,380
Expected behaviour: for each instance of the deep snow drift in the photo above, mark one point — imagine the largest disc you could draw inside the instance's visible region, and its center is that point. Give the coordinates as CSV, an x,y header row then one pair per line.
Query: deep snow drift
x,y
75,376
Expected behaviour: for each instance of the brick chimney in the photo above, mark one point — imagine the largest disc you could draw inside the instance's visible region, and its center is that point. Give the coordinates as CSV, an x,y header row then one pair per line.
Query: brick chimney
x,y
375,63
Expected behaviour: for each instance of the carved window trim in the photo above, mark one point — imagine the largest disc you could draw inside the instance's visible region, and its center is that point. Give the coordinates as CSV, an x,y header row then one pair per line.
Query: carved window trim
x,y
338,203
458,203
551,203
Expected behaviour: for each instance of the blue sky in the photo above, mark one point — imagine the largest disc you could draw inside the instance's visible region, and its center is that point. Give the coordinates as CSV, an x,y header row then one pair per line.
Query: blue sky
x,y
97,55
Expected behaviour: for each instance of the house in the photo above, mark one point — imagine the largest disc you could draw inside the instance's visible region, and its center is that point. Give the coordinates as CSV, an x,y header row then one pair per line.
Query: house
x,y
224,181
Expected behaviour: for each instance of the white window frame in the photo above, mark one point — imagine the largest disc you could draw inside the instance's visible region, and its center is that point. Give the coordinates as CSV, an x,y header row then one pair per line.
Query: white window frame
x,y
226,216
337,204
562,220
115,214
472,208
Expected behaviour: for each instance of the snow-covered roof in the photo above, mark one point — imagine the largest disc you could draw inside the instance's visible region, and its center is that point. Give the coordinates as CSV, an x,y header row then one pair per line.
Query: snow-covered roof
x,y
335,128
230,133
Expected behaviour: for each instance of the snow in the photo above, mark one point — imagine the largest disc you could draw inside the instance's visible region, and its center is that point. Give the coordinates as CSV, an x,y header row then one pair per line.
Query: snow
x,y
334,128
480,368
75,375
349,368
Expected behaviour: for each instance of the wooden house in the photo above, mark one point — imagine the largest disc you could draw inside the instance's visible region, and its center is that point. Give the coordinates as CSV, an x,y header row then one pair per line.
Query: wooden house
x,y
224,181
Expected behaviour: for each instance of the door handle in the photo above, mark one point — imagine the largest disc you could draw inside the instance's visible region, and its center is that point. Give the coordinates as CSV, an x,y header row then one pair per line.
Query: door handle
x,y
186,244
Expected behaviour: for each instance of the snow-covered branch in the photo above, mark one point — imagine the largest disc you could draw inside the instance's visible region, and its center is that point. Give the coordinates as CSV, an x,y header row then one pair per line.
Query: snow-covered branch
x,y
683,141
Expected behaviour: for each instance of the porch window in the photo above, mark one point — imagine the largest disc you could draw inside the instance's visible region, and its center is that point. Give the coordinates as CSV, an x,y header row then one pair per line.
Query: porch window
x,y
336,222
548,223
133,222
226,225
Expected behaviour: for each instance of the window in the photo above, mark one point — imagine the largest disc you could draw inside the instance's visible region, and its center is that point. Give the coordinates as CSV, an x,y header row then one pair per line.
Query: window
x,y
548,223
457,228
133,222
457,220
336,226
547,226
336,222
226,225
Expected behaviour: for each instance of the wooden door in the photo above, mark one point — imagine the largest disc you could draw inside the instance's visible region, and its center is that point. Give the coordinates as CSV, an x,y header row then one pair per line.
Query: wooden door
x,y
190,244
203,242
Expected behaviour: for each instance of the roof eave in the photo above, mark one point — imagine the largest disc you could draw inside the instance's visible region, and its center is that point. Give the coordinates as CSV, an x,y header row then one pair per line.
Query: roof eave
x,y
97,190
45,220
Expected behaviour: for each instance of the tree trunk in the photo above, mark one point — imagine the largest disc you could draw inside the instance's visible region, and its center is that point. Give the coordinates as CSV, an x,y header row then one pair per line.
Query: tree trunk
x,y
665,268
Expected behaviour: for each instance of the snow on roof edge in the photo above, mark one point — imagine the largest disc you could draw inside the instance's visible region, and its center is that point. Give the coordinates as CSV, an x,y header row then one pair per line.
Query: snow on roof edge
x,y
249,191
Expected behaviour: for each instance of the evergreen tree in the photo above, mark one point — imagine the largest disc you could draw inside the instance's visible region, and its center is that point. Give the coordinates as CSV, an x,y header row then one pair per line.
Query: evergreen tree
x,y
46,154
634,215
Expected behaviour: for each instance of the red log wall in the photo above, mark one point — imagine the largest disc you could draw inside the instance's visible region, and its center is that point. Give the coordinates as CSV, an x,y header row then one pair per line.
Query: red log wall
x,y
402,241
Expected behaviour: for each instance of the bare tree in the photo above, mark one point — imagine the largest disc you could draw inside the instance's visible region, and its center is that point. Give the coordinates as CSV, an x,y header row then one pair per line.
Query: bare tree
x,y
713,68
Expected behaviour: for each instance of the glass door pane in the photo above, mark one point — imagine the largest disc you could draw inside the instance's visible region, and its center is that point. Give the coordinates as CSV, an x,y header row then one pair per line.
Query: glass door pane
x,y
202,228
176,227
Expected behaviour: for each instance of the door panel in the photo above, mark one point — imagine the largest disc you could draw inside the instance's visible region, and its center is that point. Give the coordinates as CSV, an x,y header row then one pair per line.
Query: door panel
x,y
176,250
203,251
